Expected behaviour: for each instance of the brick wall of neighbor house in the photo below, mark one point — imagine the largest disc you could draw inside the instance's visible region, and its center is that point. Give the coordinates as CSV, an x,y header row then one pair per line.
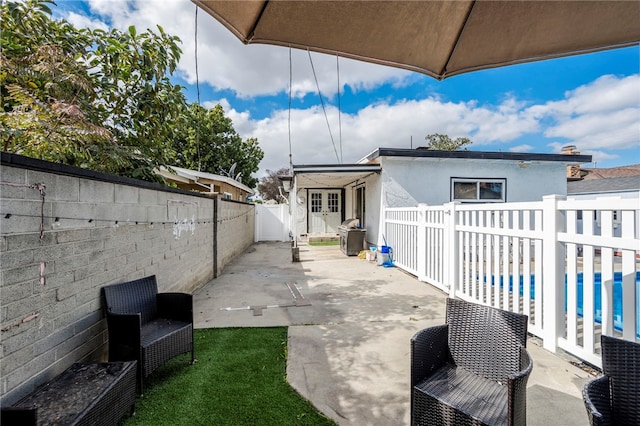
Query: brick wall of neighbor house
x,y
51,314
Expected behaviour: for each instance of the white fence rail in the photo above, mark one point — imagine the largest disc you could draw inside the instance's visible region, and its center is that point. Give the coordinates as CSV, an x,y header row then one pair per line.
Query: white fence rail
x,y
572,266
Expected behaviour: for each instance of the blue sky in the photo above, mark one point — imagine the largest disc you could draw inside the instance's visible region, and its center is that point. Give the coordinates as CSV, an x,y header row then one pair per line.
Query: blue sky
x,y
591,101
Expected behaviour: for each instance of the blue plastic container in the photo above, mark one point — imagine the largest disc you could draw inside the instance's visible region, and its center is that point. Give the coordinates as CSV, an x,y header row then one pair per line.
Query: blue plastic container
x,y
385,256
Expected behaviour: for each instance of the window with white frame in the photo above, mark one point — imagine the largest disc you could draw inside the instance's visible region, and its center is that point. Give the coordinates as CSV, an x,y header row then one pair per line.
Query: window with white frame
x,y
470,190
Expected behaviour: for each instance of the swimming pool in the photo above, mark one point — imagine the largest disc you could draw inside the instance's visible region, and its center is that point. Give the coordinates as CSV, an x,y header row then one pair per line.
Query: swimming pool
x,y
597,284
617,298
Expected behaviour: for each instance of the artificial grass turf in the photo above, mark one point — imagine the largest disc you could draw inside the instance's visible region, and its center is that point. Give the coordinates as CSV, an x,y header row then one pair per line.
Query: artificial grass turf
x,y
239,379
325,243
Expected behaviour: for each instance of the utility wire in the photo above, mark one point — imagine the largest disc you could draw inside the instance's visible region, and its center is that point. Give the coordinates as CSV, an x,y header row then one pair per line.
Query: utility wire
x,y
198,119
323,108
58,219
289,123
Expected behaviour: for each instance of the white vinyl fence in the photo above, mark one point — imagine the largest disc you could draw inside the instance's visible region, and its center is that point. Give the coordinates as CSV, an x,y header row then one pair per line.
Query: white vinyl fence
x,y
572,266
272,222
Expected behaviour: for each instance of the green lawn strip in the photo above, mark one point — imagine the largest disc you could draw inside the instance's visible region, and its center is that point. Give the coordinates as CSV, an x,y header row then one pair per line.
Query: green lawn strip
x,y
325,243
239,379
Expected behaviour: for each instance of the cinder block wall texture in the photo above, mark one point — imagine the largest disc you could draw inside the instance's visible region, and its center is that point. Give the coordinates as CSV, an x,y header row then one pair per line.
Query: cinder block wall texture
x,y
67,232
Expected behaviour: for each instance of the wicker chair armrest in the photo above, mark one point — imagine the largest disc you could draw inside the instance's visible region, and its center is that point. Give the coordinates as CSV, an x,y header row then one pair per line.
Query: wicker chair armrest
x,y
526,365
596,395
124,336
429,352
175,306
517,389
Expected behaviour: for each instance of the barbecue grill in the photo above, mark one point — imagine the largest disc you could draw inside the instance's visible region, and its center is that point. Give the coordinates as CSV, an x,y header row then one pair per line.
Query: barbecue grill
x,y
351,237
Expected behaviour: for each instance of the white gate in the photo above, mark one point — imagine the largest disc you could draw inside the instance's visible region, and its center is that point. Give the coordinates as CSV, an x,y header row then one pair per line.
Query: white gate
x,y
272,222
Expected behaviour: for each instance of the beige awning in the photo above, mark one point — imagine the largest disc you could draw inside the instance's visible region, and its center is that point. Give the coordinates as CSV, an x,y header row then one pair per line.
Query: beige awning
x,y
437,38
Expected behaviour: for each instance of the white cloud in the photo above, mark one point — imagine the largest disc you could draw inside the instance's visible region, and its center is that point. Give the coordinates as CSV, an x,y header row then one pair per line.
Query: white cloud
x,y
401,125
224,102
225,63
405,124
521,148
615,129
83,21
504,124
597,117
594,130
607,93
604,114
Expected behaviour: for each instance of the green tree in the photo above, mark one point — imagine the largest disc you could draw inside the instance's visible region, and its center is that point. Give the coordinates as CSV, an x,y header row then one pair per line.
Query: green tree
x,y
94,99
269,185
209,143
437,141
47,93
138,95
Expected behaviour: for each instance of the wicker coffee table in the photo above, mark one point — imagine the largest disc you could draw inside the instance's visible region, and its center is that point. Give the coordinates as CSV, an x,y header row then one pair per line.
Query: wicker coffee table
x,y
84,394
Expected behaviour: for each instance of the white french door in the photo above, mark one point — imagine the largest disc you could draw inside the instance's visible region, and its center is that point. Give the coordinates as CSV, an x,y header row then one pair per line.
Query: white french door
x,y
325,211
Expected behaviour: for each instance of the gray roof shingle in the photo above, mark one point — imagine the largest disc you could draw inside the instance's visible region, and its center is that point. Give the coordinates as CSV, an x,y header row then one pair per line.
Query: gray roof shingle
x,y
617,184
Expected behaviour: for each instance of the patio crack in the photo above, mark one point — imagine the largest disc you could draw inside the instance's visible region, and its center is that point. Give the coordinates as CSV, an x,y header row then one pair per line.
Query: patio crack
x,y
298,301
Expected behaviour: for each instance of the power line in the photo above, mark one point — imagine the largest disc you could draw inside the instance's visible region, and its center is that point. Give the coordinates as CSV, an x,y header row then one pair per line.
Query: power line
x,y
197,89
289,122
323,108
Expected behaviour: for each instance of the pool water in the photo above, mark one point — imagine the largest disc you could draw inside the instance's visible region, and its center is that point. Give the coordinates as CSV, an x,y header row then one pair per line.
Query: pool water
x,y
597,281
617,298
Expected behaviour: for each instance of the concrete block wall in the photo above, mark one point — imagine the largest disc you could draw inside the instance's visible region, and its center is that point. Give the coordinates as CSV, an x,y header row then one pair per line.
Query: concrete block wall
x,y
235,226
96,230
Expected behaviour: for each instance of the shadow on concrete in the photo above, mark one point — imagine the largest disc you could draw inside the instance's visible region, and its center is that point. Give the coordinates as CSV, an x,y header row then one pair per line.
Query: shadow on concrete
x,y
349,350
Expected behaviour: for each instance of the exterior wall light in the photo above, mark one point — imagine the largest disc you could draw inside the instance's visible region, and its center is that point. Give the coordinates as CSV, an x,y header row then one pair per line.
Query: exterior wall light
x,y
286,182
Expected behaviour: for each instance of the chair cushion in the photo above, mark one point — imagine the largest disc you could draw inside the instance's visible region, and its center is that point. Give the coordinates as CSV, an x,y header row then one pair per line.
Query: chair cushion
x,y
159,329
483,400
161,340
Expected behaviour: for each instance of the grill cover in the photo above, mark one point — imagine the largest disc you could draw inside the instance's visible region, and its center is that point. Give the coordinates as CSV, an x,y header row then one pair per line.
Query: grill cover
x,y
350,224
351,237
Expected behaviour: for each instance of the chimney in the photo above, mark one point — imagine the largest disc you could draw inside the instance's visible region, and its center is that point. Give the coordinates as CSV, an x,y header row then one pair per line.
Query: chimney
x,y
573,170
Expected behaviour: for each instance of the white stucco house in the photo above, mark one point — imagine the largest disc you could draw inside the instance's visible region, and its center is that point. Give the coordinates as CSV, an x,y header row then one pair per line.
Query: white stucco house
x,y
325,195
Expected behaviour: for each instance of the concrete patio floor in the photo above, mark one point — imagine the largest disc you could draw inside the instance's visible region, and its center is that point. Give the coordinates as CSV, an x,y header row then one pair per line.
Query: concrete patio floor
x,y
350,323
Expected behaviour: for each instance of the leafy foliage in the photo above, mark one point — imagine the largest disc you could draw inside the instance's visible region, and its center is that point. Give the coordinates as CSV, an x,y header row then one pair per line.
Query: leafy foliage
x,y
48,95
207,142
269,184
103,99
437,141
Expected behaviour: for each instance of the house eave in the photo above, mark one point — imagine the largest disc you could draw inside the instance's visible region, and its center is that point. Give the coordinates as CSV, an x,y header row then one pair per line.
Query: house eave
x,y
336,168
474,155
207,178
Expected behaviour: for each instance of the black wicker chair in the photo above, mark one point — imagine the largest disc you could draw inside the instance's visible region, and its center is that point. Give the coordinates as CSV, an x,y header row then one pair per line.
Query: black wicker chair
x,y
148,326
471,371
614,398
